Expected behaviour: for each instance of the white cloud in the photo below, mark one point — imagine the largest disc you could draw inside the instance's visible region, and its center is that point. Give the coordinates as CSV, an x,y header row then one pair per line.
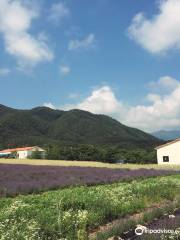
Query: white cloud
x,y
49,105
86,43
165,83
15,21
101,100
73,96
58,12
161,32
4,72
153,97
162,112
65,70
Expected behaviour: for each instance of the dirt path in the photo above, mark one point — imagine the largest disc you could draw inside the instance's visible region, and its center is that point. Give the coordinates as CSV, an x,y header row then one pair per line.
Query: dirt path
x,y
135,217
115,223
166,224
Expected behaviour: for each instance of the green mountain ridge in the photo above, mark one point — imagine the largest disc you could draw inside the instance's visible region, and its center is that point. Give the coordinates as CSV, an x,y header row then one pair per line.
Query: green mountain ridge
x,y
42,125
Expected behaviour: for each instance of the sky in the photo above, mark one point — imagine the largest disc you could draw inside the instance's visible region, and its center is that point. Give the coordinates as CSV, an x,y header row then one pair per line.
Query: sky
x,y
119,58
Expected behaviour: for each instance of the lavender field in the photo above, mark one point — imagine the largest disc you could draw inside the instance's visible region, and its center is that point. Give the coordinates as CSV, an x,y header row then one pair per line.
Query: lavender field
x,y
23,179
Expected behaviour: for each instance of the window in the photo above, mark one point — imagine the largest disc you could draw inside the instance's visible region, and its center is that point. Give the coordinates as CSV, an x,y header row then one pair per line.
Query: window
x,y
165,158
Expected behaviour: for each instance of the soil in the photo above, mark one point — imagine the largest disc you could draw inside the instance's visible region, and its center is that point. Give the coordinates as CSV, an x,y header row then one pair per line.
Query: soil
x,y
115,223
165,223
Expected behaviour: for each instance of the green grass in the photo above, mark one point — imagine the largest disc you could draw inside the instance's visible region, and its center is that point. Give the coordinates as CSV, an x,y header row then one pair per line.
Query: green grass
x,y
69,213
86,164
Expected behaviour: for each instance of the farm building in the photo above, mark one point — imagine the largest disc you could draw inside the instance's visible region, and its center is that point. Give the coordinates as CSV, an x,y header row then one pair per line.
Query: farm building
x,y
169,153
21,153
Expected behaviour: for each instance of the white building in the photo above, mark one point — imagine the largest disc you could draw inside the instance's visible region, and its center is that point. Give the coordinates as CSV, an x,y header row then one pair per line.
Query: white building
x,y
169,153
25,152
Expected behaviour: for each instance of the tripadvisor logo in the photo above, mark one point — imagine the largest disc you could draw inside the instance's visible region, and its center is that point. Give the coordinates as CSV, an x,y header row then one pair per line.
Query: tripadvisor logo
x,y
140,230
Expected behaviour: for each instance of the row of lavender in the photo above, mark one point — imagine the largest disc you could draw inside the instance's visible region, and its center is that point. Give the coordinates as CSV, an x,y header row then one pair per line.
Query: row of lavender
x,y
23,179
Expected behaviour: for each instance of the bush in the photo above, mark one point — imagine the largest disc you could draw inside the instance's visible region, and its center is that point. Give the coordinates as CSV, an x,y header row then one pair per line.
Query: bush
x,y
36,155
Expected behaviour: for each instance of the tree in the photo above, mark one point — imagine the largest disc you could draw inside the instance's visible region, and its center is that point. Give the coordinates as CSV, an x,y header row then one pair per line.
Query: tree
x,y
36,155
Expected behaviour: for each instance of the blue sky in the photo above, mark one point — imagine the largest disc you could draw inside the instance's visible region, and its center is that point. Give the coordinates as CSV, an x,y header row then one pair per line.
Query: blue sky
x,y
119,58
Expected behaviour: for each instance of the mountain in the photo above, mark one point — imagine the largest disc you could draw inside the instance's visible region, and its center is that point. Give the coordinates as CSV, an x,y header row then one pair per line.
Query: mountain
x,y
43,125
167,135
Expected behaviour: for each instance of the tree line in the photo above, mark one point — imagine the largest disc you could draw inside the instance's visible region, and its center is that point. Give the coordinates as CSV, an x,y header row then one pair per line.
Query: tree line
x,y
110,154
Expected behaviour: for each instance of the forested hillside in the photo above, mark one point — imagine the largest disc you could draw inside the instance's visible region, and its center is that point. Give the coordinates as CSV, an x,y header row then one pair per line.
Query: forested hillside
x,y
43,125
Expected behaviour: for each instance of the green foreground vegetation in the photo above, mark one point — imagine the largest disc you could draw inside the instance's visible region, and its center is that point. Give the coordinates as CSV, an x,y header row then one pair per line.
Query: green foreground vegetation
x,y
71,213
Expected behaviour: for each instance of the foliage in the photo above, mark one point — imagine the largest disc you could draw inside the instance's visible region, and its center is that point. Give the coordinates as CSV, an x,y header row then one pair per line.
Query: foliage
x,y
36,155
105,153
75,135
15,225
42,125
70,213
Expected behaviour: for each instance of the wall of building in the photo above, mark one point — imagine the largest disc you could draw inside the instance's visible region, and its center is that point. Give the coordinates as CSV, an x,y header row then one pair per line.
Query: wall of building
x,y
172,150
22,154
28,153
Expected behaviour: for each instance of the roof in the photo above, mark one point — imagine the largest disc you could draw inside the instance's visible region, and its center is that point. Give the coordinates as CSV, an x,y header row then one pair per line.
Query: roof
x,y
167,144
20,149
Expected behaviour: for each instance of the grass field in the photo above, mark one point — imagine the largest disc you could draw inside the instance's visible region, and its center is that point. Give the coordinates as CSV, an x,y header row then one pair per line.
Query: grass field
x,y
86,164
71,213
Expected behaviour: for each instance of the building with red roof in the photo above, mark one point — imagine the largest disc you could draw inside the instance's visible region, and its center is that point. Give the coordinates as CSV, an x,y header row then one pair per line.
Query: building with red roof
x,y
23,152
